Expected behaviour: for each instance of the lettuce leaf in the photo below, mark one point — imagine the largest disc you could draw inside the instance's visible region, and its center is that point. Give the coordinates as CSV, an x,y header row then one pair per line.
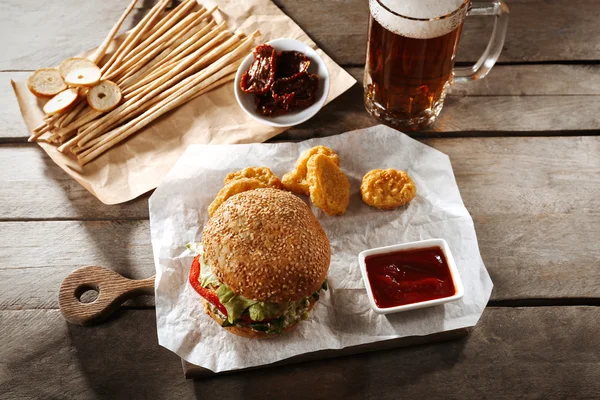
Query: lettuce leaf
x,y
207,277
261,311
235,305
195,248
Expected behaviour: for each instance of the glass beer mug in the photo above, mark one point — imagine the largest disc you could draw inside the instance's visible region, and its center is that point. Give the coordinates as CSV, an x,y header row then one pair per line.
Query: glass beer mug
x,y
411,49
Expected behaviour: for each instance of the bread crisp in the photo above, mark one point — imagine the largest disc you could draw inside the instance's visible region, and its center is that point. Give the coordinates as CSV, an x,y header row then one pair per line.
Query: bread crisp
x,y
61,102
73,63
46,82
104,96
83,76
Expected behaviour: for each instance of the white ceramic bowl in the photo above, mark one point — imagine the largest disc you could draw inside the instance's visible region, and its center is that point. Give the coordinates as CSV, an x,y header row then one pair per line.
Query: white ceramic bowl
x,y
317,67
422,244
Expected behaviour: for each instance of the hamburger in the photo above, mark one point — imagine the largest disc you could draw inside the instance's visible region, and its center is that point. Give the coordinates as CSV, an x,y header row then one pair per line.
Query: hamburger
x,y
262,263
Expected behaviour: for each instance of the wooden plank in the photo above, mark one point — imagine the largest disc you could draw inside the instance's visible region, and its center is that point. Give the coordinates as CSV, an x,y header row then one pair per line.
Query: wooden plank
x,y
539,30
12,127
192,371
528,257
467,116
526,353
43,33
525,80
534,80
33,186
37,256
508,91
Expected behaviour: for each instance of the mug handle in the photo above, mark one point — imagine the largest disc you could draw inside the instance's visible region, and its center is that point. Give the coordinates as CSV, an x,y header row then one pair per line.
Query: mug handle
x,y
499,9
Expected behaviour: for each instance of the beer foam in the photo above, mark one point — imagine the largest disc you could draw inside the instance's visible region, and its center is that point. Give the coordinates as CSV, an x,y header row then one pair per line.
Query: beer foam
x,y
422,9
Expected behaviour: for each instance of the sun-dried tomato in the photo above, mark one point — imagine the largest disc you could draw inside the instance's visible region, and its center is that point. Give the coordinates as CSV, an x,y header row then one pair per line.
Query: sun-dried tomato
x,y
261,75
291,63
268,107
280,82
298,91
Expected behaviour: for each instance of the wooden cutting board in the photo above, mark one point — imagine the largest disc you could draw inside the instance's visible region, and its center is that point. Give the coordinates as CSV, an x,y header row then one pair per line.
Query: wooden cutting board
x,y
114,289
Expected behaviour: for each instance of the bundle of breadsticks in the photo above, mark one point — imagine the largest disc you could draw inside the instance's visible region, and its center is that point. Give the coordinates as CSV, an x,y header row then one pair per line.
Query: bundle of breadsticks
x,y
169,58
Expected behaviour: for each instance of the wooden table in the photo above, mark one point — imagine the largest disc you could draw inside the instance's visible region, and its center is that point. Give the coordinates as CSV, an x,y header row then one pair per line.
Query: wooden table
x,y
526,156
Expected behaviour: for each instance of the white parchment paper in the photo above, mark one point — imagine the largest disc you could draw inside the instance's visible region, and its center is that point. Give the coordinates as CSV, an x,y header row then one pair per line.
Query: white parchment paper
x,y
342,317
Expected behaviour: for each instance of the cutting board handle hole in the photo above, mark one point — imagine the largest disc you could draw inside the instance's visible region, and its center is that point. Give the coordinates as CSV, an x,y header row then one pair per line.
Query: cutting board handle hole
x,y
87,293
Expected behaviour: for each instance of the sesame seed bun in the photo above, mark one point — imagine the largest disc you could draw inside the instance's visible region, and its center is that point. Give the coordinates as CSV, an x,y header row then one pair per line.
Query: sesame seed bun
x,y
247,331
267,245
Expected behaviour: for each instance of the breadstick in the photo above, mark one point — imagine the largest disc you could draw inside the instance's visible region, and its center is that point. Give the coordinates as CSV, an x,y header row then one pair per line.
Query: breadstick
x,y
40,128
169,21
201,46
190,82
37,132
130,108
134,37
166,73
73,113
61,119
165,17
44,138
132,75
143,56
92,150
230,77
136,100
220,68
84,119
51,119
101,51
190,45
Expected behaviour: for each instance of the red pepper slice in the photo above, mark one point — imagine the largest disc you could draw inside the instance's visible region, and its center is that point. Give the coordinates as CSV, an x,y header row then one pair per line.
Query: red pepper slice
x,y
208,294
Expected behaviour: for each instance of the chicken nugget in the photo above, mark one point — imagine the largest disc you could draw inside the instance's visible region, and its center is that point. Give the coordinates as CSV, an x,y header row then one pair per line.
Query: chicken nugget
x,y
232,188
263,174
295,184
295,181
328,186
387,189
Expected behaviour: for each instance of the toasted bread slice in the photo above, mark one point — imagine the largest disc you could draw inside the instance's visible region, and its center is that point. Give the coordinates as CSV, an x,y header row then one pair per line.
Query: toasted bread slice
x,y
83,75
61,102
46,82
72,63
104,96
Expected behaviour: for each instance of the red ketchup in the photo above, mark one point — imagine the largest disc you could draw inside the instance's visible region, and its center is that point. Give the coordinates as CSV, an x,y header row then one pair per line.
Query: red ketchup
x,y
409,276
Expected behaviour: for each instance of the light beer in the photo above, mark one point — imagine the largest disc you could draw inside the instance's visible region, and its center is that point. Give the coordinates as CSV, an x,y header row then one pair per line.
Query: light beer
x,y
410,57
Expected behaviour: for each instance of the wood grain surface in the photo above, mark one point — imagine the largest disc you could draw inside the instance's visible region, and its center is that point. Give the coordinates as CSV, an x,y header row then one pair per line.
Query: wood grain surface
x,y
539,30
563,263
518,98
538,193
534,201
110,289
525,353
555,175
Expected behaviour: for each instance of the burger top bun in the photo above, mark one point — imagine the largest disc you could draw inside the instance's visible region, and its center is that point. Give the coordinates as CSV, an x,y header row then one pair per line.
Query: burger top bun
x,y
267,245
